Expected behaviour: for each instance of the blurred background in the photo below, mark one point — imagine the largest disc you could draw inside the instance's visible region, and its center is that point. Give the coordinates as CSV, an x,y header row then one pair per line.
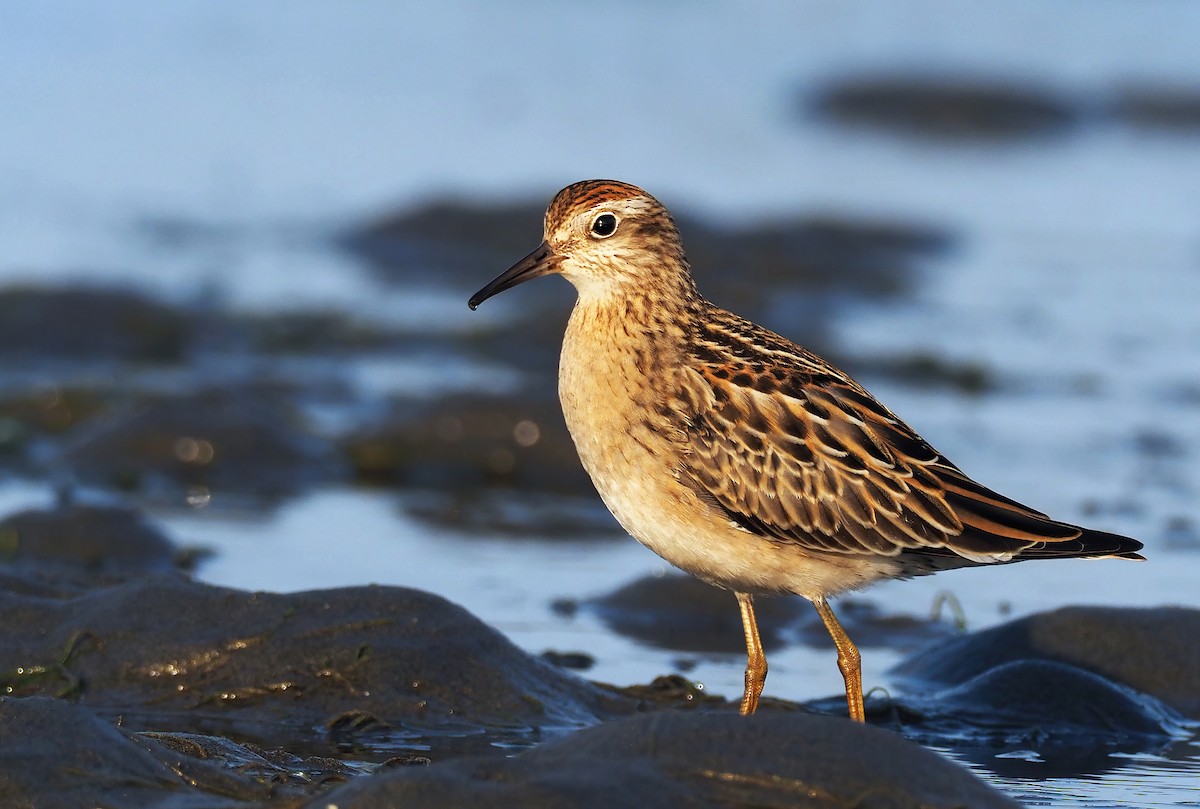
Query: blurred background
x,y
237,240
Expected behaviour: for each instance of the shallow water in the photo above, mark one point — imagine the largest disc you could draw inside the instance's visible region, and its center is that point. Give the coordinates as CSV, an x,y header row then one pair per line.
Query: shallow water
x,y
211,151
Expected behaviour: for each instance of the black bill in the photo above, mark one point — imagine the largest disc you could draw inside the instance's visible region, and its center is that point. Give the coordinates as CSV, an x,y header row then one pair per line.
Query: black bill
x,y
542,261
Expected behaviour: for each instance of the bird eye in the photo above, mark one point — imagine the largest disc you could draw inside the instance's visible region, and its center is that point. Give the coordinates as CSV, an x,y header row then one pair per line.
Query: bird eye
x,y
604,225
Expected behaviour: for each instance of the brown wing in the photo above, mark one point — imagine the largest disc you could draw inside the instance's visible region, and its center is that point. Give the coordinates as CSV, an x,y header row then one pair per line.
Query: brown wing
x,y
790,448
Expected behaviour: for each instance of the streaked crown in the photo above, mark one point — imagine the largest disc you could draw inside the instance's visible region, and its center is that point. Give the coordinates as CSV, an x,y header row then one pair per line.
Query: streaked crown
x,y
585,195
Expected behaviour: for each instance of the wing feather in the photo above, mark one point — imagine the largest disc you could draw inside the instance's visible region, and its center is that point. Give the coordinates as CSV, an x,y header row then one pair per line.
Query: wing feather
x,y
790,448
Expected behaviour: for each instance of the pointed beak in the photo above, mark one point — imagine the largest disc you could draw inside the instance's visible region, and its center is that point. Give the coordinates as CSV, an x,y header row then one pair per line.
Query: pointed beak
x,y
542,261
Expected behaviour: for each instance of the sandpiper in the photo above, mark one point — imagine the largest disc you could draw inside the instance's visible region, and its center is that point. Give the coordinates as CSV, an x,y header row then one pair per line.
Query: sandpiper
x,y
741,457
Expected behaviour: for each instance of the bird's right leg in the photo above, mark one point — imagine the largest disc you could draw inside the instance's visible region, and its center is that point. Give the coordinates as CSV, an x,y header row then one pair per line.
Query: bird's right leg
x,y
849,661
756,659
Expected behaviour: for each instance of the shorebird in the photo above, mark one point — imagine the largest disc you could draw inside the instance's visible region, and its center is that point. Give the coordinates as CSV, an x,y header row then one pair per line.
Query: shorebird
x,y
741,457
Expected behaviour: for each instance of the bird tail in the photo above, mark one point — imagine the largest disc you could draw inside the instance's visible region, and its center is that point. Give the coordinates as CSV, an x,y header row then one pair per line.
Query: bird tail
x,y
1088,545
1103,545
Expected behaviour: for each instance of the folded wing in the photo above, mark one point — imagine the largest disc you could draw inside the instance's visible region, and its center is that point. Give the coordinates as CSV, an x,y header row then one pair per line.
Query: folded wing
x,y
794,450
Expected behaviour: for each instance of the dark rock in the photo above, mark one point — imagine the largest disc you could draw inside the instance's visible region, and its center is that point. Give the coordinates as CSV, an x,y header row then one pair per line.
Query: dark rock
x,y
576,661
63,552
524,513
313,332
54,755
46,410
430,239
682,613
1181,533
215,443
464,442
491,464
1171,109
1151,650
1039,705
41,581
946,108
88,324
697,759
675,691
101,539
168,645
424,247
931,371
775,272
1158,444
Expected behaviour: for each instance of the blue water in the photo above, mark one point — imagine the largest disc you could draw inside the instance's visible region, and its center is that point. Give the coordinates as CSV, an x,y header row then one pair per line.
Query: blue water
x,y
263,129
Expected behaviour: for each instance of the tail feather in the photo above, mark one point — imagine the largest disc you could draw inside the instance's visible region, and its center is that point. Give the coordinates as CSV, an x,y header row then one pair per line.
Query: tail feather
x,y
1089,544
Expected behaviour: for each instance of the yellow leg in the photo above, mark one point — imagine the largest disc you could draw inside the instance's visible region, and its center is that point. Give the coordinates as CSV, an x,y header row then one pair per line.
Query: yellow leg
x,y
849,661
756,660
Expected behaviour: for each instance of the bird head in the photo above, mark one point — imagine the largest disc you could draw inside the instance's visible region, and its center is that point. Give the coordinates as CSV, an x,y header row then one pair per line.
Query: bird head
x,y
605,237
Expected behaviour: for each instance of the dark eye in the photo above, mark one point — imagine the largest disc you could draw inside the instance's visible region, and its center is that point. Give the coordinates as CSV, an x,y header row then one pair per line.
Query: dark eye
x,y
604,225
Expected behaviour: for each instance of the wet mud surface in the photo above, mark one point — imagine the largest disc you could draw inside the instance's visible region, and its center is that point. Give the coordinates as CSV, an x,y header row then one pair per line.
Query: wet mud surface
x,y
692,759
127,683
